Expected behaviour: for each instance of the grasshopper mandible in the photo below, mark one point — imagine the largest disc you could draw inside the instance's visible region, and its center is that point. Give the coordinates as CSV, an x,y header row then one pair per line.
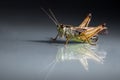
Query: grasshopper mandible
x,y
81,33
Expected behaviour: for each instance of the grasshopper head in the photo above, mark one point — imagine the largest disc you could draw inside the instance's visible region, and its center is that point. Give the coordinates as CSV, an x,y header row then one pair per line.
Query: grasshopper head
x,y
60,29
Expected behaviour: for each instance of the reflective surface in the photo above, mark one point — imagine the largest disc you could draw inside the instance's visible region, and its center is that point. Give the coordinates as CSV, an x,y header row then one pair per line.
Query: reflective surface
x,y
26,56
81,52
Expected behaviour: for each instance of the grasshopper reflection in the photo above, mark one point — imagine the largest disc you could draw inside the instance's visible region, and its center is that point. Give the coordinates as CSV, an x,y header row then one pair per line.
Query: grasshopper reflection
x,y
81,52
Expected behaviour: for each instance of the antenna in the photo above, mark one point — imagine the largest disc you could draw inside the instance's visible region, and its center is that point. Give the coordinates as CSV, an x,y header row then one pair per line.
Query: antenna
x,y
53,15
49,16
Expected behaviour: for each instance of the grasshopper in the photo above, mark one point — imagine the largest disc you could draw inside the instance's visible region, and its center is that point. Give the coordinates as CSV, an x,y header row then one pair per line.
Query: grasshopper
x,y
81,33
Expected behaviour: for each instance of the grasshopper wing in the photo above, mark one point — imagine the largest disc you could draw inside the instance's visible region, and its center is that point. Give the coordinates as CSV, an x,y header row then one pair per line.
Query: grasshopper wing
x,y
94,31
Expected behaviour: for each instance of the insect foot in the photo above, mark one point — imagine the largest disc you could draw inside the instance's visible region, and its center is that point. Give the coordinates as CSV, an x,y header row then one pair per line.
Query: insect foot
x,y
53,39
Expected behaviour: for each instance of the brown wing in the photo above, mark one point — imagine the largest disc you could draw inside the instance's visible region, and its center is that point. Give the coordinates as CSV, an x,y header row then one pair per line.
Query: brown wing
x,y
93,31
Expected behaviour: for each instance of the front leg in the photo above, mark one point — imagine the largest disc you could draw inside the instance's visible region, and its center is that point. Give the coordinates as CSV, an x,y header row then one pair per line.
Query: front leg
x,y
54,39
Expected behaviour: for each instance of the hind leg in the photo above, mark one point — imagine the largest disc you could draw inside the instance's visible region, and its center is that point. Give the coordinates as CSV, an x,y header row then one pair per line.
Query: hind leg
x,y
88,40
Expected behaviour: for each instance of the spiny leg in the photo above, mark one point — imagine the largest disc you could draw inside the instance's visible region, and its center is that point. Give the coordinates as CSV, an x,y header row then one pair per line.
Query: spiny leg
x,y
94,39
88,40
85,21
67,39
91,43
54,39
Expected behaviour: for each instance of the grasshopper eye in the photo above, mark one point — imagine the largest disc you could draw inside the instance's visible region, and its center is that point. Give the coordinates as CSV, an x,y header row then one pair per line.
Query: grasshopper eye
x,y
61,26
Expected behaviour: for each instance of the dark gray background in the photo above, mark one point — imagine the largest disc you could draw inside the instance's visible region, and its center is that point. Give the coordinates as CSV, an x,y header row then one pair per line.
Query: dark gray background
x,y
25,50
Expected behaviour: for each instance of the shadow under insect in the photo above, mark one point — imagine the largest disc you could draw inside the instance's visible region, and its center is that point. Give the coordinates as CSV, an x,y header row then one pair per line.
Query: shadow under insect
x,y
53,42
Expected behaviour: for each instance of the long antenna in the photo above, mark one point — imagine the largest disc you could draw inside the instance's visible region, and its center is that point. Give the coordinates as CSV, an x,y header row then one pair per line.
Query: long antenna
x,y
49,16
53,15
